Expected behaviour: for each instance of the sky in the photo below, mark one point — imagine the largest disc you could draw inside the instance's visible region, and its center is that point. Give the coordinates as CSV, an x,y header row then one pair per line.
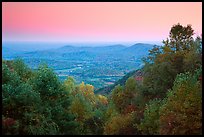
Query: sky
x,y
96,21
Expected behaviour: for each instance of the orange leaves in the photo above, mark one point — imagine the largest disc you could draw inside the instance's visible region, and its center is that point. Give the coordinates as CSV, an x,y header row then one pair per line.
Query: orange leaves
x,y
130,108
167,123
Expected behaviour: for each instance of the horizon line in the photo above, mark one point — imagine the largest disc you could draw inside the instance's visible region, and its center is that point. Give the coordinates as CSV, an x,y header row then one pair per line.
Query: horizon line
x,y
82,41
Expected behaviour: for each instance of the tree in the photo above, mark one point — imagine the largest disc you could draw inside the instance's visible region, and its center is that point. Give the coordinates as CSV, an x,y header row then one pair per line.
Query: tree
x,y
153,53
22,69
193,58
150,124
80,108
169,60
180,37
120,125
40,124
158,79
46,82
117,97
130,88
183,107
69,84
18,99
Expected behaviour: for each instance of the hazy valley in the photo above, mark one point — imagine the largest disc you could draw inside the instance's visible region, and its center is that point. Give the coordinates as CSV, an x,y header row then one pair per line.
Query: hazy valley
x,y
99,66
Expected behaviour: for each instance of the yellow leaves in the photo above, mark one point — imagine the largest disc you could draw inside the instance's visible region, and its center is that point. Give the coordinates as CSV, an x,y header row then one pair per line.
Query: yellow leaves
x,y
78,109
77,106
81,108
103,99
86,89
120,124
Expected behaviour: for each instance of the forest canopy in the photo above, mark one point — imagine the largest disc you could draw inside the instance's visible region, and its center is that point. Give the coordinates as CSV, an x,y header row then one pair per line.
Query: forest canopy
x,y
167,102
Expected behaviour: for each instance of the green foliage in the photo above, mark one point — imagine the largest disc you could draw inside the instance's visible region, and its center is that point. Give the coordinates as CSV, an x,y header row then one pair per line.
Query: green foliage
x,y
17,96
94,125
69,84
117,97
22,69
111,111
35,113
130,87
193,58
120,125
39,124
158,79
37,103
183,107
80,108
123,97
179,54
153,53
9,76
150,124
180,37
46,82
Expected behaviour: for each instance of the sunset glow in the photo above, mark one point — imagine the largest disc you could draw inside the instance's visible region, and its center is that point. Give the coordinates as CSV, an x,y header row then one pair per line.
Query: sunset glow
x,y
96,21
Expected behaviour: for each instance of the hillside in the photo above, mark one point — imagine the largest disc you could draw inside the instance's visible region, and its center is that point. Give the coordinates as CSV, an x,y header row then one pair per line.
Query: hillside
x,y
137,74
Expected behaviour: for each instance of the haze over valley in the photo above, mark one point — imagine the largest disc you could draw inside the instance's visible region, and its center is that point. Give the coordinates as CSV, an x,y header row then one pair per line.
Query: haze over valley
x,y
102,68
99,64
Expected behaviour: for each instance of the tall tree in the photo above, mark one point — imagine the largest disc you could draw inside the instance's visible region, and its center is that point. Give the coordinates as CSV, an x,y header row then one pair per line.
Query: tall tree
x,y
180,37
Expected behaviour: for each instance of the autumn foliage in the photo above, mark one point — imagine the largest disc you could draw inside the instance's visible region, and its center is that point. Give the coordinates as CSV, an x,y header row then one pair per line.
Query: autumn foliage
x,y
166,101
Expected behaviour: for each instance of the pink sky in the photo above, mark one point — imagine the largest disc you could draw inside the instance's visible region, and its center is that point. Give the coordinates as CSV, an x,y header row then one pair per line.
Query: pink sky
x,y
96,21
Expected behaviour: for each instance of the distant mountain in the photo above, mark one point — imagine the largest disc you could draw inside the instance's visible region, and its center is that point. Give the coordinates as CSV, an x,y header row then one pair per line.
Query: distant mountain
x,y
138,49
70,52
100,66
9,53
101,49
6,51
112,52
